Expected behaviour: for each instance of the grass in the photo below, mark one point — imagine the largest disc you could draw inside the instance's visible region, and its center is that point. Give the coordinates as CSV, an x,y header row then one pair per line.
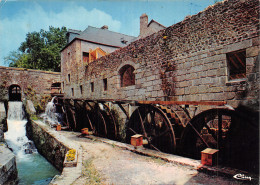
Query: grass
x,y
90,172
34,117
113,145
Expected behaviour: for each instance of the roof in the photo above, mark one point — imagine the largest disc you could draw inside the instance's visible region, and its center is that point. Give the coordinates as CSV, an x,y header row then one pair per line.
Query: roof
x,y
102,36
105,36
74,31
156,23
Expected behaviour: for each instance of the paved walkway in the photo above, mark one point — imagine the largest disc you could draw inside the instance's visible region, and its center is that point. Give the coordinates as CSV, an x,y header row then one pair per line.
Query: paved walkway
x,y
104,163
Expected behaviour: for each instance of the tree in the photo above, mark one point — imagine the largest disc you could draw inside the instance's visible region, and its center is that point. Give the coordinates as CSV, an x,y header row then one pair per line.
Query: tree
x,y
40,50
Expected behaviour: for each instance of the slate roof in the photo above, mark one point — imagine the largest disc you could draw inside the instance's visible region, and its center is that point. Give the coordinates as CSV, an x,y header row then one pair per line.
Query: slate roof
x,y
102,36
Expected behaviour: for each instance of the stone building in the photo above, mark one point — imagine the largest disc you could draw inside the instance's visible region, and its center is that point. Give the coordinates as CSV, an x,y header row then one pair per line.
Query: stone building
x,y
84,47
192,66
146,28
210,56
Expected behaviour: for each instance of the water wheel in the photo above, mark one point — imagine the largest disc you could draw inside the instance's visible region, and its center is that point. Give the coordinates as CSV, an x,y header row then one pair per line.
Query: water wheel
x,y
208,129
155,126
102,121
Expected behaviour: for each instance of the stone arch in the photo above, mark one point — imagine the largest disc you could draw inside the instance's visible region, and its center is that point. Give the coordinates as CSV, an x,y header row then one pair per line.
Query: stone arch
x,y
127,75
15,93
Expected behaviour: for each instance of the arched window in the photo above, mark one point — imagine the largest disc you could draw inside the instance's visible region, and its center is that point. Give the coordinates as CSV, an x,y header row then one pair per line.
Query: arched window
x,y
127,76
14,93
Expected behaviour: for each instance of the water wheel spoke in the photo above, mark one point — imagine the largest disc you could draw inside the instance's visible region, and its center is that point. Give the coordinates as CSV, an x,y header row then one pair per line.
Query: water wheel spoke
x,y
132,130
142,124
90,123
199,135
154,147
219,130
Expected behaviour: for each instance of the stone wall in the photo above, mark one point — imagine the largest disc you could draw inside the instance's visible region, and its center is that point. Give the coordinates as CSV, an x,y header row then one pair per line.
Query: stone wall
x,y
47,144
8,170
2,121
40,81
184,62
53,146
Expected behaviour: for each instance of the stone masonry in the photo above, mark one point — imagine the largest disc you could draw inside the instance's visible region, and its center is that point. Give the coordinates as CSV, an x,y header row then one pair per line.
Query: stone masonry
x,y
40,81
184,62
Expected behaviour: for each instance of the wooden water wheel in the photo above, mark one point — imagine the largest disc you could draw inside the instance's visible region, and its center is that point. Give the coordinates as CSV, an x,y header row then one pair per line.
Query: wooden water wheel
x,y
208,129
151,122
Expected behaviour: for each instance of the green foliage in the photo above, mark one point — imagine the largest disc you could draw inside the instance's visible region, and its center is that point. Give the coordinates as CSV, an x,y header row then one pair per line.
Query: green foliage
x,y
39,102
3,90
40,50
34,117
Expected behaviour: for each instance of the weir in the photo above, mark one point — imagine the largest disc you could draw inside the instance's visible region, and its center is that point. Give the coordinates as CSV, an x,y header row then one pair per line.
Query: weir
x,y
32,167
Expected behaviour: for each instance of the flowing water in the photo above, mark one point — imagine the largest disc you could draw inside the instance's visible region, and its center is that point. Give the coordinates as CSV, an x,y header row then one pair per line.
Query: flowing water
x,y
51,116
32,167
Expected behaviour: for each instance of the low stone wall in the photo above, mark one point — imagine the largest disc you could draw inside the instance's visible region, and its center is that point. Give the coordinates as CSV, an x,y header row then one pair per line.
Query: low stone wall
x,y
46,143
8,170
53,146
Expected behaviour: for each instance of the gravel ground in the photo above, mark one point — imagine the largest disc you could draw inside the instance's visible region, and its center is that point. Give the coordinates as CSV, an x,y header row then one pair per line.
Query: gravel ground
x,y
108,164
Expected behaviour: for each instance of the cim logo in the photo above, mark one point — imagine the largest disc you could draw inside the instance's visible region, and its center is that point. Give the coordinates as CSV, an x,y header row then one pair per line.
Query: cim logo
x,y
242,177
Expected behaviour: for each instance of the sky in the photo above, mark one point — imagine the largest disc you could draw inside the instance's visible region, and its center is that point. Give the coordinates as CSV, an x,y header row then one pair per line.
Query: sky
x,y
19,17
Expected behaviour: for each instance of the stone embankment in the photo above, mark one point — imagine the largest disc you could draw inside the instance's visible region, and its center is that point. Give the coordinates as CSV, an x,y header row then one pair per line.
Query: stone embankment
x,y
8,170
54,147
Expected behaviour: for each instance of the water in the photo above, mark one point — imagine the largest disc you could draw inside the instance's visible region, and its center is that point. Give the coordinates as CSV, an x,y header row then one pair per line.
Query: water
x,y
51,116
32,167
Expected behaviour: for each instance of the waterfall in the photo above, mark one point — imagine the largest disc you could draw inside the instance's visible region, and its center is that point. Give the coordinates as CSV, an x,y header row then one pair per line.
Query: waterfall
x,y
32,167
15,111
16,135
51,116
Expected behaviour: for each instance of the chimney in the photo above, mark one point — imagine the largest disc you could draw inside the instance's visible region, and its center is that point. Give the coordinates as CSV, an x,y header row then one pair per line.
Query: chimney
x,y
105,27
143,24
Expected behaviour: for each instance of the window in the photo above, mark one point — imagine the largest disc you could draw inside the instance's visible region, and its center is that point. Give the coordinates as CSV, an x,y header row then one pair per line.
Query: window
x,y
85,57
72,92
127,75
105,84
92,86
68,77
15,93
236,64
81,89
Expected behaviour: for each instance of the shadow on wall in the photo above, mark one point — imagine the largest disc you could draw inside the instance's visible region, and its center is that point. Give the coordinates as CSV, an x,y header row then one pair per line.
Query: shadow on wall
x,y
245,134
